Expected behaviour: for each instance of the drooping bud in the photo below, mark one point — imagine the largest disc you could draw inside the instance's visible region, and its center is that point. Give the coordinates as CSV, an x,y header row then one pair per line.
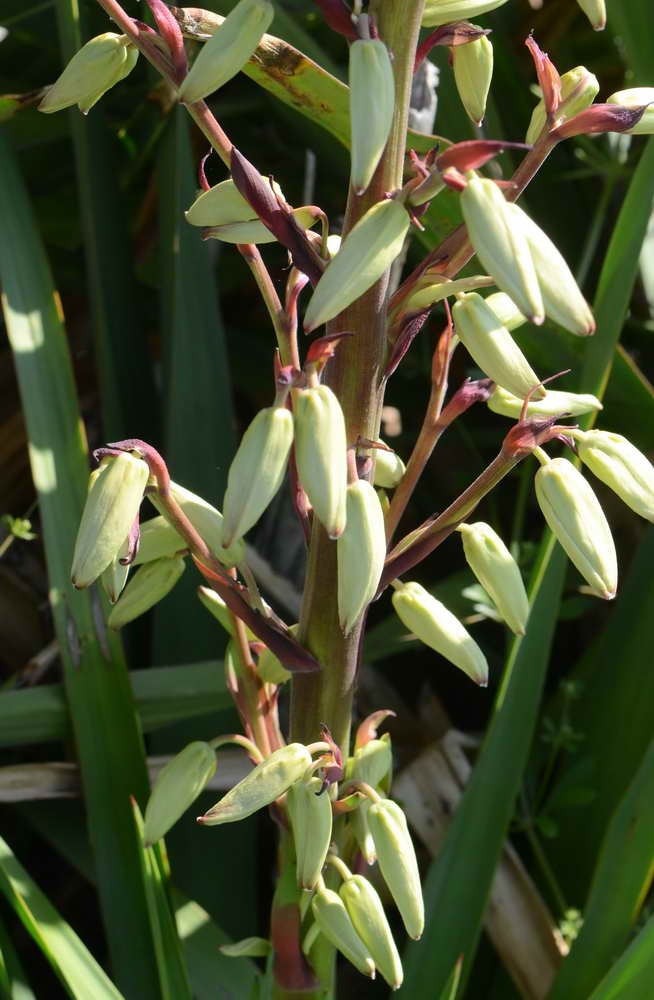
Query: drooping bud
x,y
228,49
574,515
310,811
177,786
438,12
257,470
619,464
372,762
389,469
101,63
635,98
157,540
367,251
114,577
361,831
492,347
366,912
361,551
146,588
554,403
254,231
498,573
372,101
397,862
506,310
223,205
439,629
473,72
501,246
595,11
434,288
111,507
579,88
207,521
320,454
333,920
261,786
562,299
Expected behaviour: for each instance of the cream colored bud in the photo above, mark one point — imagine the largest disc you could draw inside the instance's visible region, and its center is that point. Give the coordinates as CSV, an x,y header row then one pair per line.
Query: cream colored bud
x,y
434,288
562,299
473,72
553,404
389,468
615,460
367,251
254,231
269,666
361,552
636,97
333,920
579,88
397,862
361,831
101,63
439,629
228,49
223,205
574,515
111,507
595,11
492,347
438,12
498,573
158,540
320,454
215,605
501,245
257,470
372,102
114,577
147,587
372,762
366,912
310,811
506,310
207,521
177,786
261,786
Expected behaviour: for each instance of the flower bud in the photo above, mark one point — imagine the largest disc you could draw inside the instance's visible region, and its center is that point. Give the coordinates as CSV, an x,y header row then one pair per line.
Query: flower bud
x,y
332,918
249,947
366,912
438,628
111,507
615,460
207,521
498,573
310,812
501,246
436,288
257,470
146,588
636,97
254,231
372,762
506,310
372,101
574,515
595,11
114,577
269,666
367,251
389,469
439,12
269,779
473,72
562,299
397,862
157,540
553,404
223,205
492,347
215,605
320,454
579,88
101,63
228,49
361,551
177,786
361,831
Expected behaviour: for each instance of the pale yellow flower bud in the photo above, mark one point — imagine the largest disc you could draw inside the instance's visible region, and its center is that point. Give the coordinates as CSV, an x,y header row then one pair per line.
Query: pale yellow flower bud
x,y
223,205
320,454
438,12
146,588
433,289
397,862
473,72
311,818
366,912
595,11
372,762
215,605
101,63
636,97
254,231
497,572
615,460
361,551
333,920
389,469
553,404
372,102
506,310
579,88
361,831
114,577
177,786
207,521
158,540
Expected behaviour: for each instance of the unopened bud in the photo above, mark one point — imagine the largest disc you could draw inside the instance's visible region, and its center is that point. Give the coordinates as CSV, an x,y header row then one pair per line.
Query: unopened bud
x,y
310,811
114,577
215,605
366,912
506,310
269,779
615,460
492,347
177,786
333,920
634,98
269,666
147,587
438,12
372,101
579,88
498,573
595,11
397,862
439,629
254,231
320,454
207,521
501,245
223,205
367,251
389,469
101,63
361,831
574,515
435,288
157,540
372,762
228,49
554,403
361,552
473,72
111,507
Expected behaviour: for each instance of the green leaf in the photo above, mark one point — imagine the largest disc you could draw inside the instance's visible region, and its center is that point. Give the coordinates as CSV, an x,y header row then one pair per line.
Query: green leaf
x,y
633,973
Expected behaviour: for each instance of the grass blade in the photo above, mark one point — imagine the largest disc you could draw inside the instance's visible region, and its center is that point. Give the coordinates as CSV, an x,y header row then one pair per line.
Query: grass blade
x,y
631,975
